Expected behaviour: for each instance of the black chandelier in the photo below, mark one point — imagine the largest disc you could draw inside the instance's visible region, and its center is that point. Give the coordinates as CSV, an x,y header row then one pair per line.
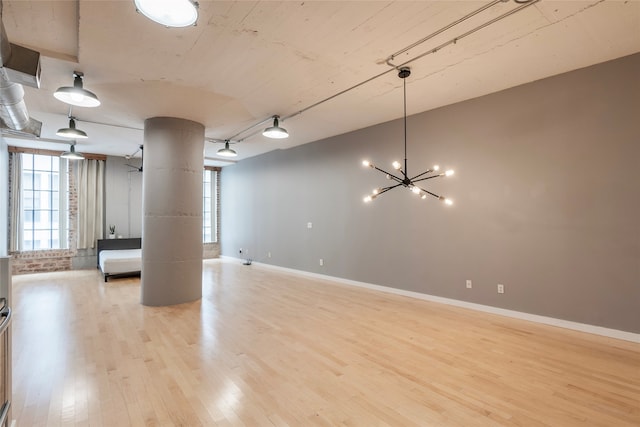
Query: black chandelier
x,y
404,180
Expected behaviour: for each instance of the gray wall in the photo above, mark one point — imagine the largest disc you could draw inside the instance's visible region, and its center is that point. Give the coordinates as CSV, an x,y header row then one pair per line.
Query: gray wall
x,y
123,194
547,201
4,197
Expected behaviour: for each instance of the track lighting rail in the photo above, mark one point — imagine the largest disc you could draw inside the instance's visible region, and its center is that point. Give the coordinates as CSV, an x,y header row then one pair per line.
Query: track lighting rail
x,y
441,30
466,34
521,5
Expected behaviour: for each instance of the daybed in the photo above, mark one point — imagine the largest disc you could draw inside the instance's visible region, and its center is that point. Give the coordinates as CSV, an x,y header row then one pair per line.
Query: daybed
x,y
119,257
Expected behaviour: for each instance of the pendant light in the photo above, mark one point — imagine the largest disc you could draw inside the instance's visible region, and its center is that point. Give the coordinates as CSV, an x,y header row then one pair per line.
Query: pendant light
x,y
170,13
76,94
226,151
72,154
402,177
275,131
71,131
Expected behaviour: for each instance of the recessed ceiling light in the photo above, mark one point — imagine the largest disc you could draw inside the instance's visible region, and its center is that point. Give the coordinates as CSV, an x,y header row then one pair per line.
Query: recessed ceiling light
x,y
170,13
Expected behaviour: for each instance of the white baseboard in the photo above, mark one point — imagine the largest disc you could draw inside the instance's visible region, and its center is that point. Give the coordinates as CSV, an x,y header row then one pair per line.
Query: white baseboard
x,y
582,327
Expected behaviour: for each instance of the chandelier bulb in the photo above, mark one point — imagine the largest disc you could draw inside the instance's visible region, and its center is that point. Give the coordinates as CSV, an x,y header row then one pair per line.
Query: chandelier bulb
x,y
448,202
396,165
375,191
367,199
415,190
449,172
424,196
436,168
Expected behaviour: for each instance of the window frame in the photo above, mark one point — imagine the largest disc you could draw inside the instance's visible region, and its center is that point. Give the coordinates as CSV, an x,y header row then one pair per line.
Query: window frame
x,y
56,229
210,204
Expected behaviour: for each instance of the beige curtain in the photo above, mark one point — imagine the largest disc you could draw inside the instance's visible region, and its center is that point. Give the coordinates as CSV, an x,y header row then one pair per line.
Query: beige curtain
x,y
90,202
15,214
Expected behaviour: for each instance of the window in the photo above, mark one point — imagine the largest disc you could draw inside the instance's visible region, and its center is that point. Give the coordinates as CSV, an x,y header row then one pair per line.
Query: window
x,y
210,206
44,202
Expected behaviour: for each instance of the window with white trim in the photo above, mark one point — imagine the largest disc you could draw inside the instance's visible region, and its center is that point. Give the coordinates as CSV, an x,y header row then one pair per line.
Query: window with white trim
x,y
210,206
45,194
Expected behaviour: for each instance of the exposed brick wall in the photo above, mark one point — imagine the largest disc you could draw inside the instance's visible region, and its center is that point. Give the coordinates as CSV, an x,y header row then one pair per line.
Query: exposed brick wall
x,y
61,259
55,259
210,250
41,261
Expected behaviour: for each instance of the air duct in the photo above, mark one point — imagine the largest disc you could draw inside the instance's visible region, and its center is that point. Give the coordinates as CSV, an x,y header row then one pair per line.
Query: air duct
x,y
18,66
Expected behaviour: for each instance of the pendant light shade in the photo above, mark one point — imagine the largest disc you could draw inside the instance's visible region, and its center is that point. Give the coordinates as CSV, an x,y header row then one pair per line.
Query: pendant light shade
x,y
226,151
72,154
170,13
275,131
71,131
76,94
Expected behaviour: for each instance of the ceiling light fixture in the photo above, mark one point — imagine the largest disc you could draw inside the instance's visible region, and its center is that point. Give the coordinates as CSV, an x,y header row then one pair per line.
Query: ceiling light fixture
x,y
170,13
275,131
226,151
72,154
403,179
71,131
76,94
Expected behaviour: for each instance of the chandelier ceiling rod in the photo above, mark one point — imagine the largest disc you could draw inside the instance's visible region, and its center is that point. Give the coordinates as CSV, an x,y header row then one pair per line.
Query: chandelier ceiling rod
x,y
404,73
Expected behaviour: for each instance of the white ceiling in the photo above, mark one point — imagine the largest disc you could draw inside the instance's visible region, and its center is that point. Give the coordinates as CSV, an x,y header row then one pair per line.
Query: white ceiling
x,y
248,60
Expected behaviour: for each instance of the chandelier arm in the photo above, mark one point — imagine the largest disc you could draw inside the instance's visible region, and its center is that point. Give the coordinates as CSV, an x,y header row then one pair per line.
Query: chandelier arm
x,y
384,190
430,193
429,177
396,179
423,173
387,173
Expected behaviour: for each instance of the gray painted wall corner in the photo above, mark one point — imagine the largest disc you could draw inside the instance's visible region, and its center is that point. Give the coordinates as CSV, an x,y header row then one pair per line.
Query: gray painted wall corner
x,y
546,191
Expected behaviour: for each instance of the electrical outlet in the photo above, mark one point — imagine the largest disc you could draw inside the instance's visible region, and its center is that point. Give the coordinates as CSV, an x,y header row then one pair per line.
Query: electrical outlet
x,y
469,284
268,254
500,288
309,225
321,262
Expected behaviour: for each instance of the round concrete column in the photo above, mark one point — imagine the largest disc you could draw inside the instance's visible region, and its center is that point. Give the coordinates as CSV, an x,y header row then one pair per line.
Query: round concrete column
x,y
172,211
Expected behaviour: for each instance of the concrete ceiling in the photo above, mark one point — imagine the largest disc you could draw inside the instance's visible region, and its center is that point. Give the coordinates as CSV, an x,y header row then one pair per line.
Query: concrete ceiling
x,y
248,60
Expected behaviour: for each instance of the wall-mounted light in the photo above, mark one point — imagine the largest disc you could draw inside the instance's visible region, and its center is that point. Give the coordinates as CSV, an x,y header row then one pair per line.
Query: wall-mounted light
x,y
275,131
170,13
76,94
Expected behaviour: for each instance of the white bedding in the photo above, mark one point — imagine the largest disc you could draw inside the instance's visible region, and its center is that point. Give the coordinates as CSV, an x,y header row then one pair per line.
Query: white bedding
x,y
120,261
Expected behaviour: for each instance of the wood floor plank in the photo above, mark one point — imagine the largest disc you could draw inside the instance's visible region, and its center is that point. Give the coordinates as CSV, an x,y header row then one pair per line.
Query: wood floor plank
x,y
264,348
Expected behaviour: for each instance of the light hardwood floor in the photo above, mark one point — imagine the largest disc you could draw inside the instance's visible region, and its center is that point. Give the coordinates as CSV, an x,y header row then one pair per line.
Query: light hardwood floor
x,y
267,349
